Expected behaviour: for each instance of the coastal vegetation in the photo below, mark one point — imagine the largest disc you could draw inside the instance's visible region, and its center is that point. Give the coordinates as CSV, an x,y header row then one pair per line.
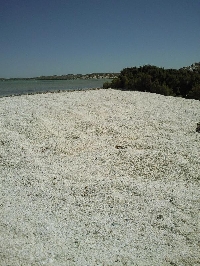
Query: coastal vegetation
x,y
183,82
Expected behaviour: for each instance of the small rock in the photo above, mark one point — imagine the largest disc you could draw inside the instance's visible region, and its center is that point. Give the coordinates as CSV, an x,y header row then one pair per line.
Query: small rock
x,y
159,216
120,147
198,127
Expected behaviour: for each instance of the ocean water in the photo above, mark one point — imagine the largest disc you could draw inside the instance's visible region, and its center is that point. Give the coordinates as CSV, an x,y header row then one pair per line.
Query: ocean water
x,y
18,87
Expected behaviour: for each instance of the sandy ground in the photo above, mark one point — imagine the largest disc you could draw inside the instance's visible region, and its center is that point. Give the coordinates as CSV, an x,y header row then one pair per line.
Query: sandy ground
x,y
99,177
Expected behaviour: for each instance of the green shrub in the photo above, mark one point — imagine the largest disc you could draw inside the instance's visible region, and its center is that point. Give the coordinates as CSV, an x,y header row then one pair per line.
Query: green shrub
x,y
195,92
161,89
175,82
106,85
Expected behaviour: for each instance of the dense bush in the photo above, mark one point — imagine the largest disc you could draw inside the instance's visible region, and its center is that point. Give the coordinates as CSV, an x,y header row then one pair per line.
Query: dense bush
x,y
195,92
184,82
106,85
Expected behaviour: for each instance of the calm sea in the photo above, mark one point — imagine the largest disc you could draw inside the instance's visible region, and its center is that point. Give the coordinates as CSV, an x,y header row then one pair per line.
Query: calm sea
x,y
17,87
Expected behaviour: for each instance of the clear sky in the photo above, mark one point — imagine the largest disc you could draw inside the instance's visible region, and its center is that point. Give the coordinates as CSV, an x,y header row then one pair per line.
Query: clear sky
x,y
56,37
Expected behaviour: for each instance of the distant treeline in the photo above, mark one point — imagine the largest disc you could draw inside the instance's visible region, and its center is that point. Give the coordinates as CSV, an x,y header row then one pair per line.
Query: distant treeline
x,y
79,76
69,77
183,82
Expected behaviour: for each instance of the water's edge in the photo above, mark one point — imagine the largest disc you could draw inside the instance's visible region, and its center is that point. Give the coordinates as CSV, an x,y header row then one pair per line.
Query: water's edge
x,y
18,88
49,91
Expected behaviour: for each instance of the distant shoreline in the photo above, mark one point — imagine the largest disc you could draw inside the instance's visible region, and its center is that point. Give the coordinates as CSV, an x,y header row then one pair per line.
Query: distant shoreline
x,y
68,77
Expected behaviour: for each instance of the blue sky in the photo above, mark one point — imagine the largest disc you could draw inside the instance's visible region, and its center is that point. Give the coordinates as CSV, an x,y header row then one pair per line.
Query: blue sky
x,y
56,37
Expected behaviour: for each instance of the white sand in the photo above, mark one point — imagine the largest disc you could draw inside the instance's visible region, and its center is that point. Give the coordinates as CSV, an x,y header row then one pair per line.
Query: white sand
x,y
99,177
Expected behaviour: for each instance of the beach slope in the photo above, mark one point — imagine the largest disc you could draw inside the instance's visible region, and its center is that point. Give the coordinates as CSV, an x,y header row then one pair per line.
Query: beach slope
x,y
99,177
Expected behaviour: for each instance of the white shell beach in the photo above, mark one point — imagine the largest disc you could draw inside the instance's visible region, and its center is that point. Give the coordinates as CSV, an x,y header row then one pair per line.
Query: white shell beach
x,y
99,177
